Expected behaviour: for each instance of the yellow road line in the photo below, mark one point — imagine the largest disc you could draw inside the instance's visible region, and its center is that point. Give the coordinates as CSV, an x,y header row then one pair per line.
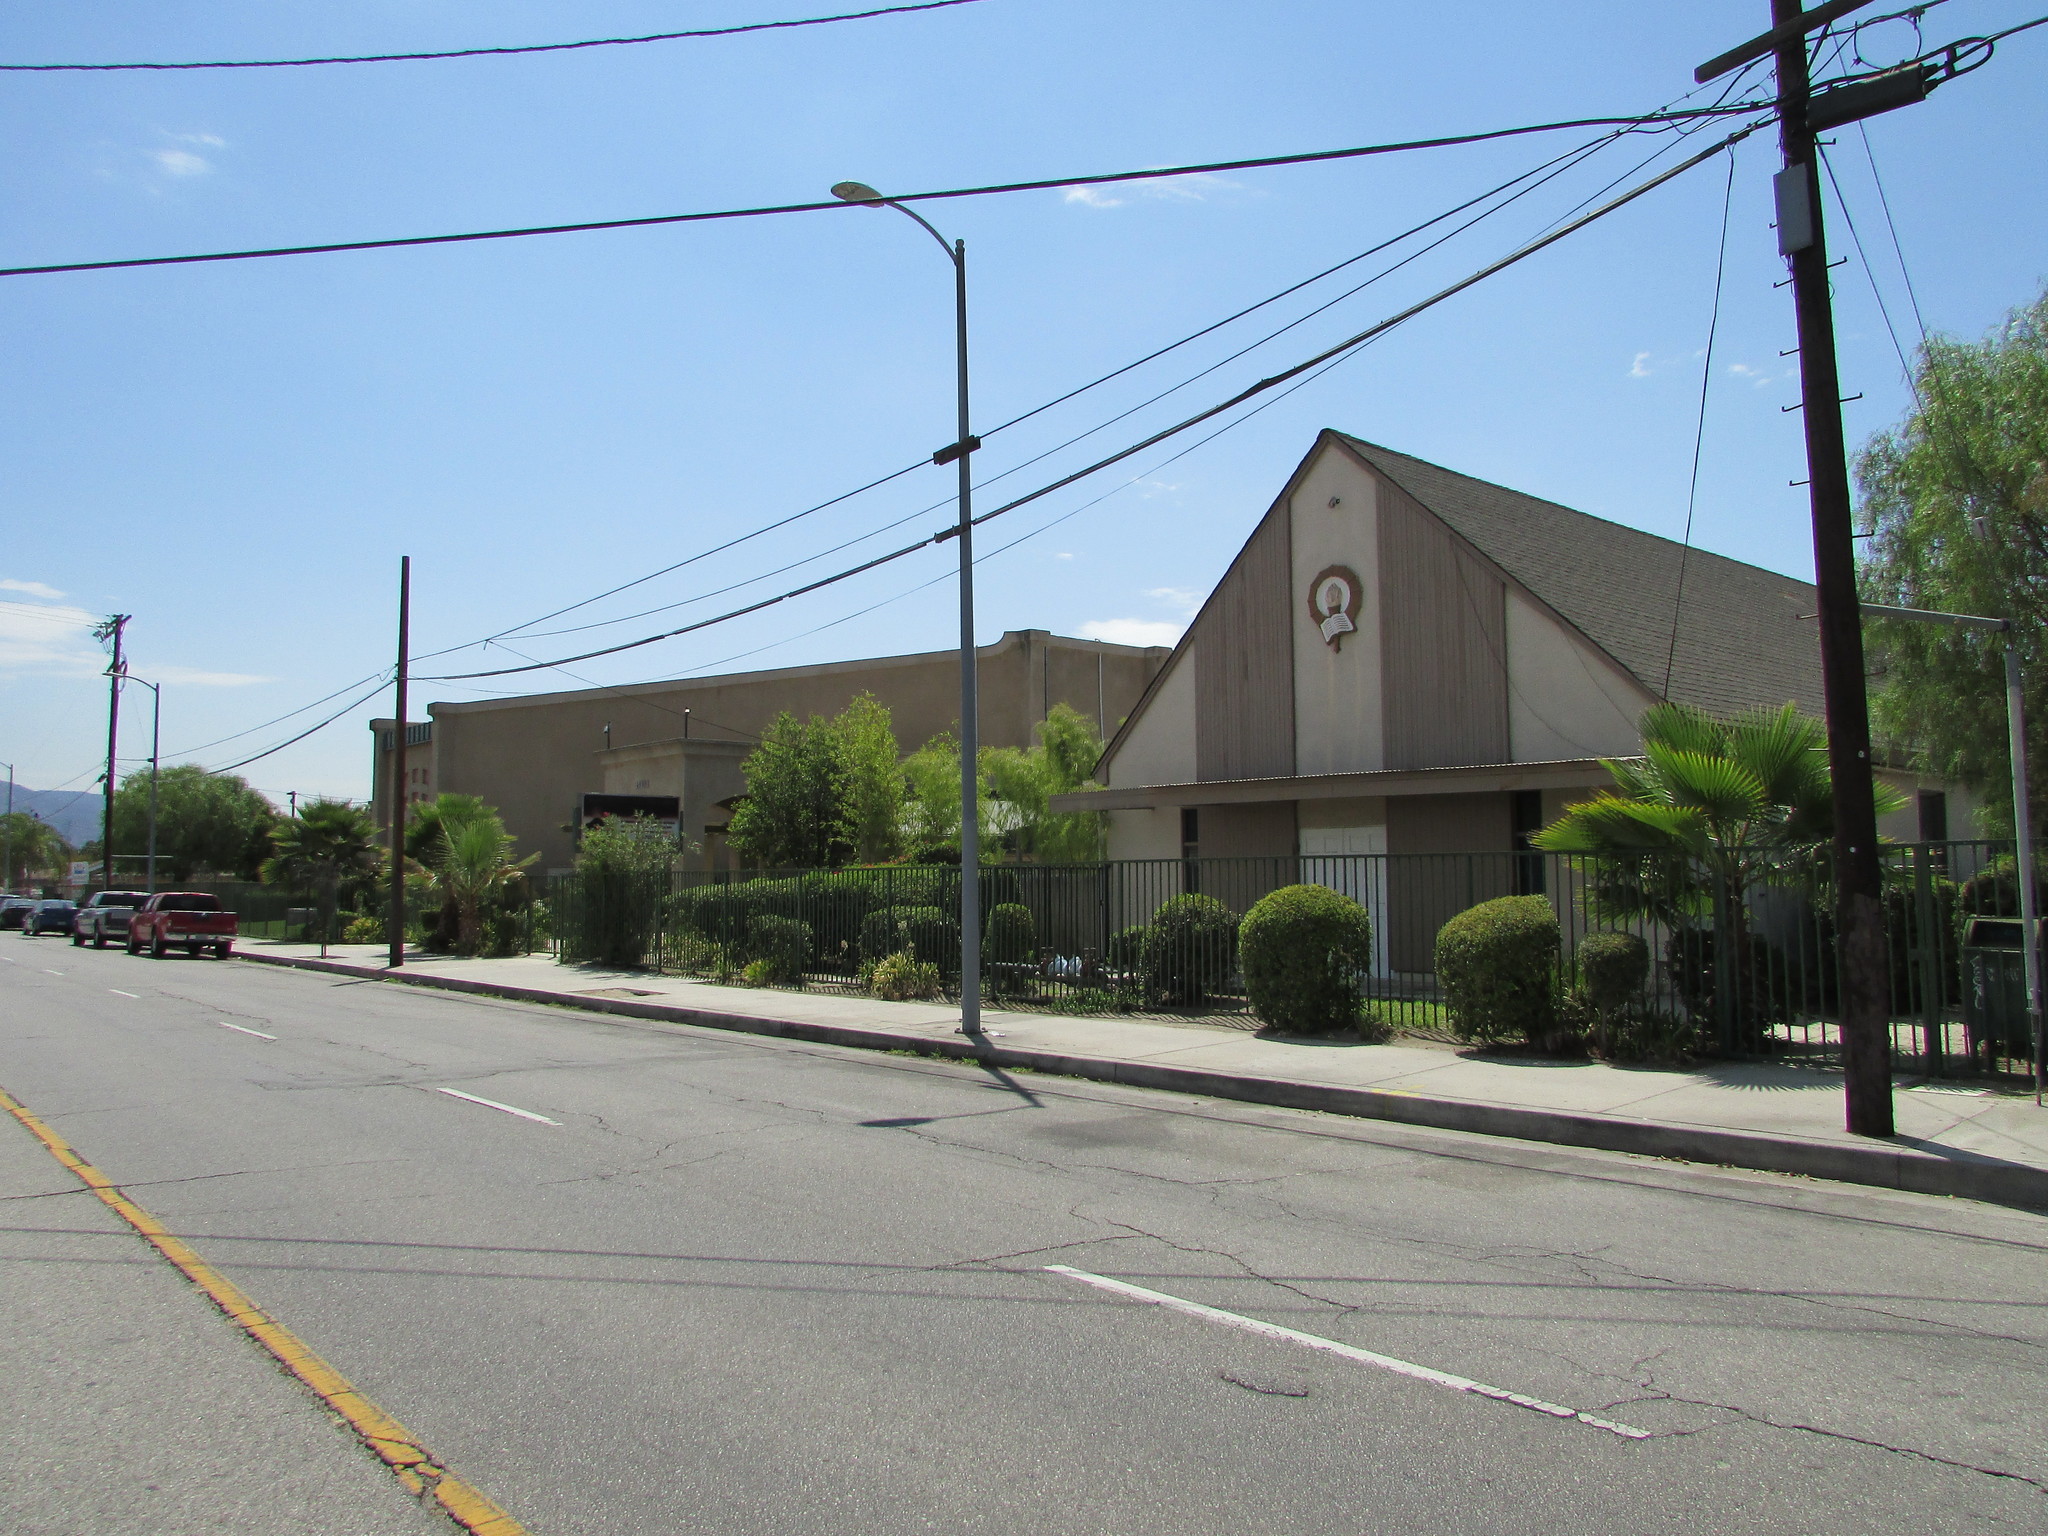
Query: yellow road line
x,y
421,1474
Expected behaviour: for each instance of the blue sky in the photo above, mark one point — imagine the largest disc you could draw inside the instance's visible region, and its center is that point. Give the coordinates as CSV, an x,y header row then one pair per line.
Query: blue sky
x,y
237,454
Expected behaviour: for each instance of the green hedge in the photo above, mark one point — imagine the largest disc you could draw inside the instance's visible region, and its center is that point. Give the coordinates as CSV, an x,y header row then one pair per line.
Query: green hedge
x,y
1304,949
1496,965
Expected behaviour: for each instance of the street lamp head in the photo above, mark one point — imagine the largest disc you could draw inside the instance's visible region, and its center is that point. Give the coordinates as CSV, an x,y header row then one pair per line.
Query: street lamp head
x,y
857,192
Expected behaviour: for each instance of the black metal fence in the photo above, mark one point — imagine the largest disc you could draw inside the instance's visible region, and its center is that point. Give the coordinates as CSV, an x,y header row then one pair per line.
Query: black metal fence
x,y
1734,972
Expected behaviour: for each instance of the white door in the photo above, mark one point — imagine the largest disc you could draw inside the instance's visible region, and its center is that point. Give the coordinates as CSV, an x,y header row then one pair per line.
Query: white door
x,y
1352,861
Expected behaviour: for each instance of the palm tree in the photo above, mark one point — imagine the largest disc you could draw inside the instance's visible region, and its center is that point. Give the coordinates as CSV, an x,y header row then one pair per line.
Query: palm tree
x,y
426,839
473,864
327,841
1746,802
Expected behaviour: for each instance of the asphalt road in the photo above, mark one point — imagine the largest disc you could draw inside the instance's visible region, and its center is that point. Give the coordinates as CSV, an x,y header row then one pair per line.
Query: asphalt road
x,y
748,1286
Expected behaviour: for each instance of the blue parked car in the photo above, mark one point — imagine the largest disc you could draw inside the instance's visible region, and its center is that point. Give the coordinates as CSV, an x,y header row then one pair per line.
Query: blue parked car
x,y
54,916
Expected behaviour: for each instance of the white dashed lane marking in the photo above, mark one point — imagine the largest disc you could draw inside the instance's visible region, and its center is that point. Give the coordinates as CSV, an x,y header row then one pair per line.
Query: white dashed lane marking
x,y
1347,1351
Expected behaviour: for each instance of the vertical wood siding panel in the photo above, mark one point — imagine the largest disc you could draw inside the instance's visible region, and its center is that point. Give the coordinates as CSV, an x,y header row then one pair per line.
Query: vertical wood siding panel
x,y
1443,632
1243,652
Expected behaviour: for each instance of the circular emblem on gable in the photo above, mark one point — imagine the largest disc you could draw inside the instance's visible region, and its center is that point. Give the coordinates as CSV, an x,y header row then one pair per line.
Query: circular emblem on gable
x,y
1333,599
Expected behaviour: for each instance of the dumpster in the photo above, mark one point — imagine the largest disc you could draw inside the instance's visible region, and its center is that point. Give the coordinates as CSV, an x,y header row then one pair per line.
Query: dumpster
x,y
1995,988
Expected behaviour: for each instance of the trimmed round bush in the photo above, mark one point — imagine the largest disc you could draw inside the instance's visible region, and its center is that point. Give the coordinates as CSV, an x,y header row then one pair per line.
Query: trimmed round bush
x,y
1303,948
1127,948
1612,969
1496,964
879,935
780,947
1190,949
1009,935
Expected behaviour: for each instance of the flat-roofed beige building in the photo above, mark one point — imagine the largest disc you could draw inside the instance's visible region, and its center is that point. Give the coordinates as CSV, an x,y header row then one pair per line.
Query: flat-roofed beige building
x,y
536,758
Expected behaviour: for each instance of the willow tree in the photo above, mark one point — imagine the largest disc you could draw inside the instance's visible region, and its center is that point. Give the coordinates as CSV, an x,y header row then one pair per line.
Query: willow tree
x,y
1955,499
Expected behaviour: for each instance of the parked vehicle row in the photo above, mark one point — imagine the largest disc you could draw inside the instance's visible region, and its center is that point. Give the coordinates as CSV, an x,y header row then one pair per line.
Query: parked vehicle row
x,y
194,921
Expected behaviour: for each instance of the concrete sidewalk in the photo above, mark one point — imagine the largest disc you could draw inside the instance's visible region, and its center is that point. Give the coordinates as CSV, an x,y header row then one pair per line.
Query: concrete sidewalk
x,y
1957,1138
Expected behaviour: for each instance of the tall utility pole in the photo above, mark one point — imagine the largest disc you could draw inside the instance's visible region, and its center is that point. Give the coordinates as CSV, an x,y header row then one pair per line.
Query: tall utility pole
x,y
396,920
1859,911
1859,899
7,837
111,629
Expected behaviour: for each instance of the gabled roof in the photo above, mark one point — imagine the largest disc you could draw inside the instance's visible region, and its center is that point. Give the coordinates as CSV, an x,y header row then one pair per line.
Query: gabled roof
x,y
1742,642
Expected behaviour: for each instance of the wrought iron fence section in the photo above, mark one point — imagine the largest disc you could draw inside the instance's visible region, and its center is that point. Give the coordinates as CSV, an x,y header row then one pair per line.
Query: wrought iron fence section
x,y
1748,972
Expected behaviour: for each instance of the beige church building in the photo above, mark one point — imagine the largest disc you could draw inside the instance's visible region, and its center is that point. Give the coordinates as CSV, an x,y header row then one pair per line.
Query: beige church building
x,y
1403,659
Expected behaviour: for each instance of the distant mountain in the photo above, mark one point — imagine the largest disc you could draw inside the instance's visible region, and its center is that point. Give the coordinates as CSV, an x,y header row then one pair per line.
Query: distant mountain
x,y
75,813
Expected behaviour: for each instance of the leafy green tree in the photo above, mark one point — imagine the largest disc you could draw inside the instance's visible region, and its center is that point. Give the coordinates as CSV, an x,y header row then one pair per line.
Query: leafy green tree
x,y
204,821
1018,786
326,843
873,785
1956,499
931,808
794,815
34,847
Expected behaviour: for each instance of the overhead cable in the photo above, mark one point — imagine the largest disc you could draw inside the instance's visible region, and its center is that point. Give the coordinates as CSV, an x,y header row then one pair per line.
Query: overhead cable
x,y
1046,184
310,730
1250,392
1553,167
475,53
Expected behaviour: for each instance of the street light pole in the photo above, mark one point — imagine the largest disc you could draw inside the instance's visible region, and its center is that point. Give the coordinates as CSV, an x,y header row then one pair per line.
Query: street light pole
x,y
156,722
7,835
960,449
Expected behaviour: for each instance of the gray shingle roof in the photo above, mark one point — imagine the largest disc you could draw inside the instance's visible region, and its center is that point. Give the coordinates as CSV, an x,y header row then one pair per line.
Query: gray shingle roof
x,y
1741,641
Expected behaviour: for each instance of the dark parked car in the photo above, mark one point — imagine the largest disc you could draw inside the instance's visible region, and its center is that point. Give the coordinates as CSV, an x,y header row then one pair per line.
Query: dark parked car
x,y
53,916
14,910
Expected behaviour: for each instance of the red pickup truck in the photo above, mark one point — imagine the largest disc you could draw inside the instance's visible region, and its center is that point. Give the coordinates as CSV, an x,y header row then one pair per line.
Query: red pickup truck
x,y
194,919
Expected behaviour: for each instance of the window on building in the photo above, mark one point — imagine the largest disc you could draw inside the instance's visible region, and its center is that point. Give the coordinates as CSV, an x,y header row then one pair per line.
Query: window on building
x,y
1190,846
1525,819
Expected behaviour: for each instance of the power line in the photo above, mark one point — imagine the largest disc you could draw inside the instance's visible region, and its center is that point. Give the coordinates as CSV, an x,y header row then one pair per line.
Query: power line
x,y
1248,393
474,53
310,730
1699,433
1555,167
1156,174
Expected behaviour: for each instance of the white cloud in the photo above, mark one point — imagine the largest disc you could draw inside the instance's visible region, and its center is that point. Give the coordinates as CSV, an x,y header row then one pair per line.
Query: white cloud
x,y
180,162
37,639
1186,599
1065,554
1640,368
1187,189
1131,631
213,140
32,588
1197,188
1759,378
192,677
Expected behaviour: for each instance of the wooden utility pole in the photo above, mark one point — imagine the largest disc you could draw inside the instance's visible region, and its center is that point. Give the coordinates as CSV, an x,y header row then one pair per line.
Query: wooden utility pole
x,y
1863,976
112,629
396,920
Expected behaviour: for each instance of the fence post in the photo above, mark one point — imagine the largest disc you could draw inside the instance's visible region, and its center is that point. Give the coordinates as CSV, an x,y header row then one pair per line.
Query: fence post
x,y
1933,988
1725,1016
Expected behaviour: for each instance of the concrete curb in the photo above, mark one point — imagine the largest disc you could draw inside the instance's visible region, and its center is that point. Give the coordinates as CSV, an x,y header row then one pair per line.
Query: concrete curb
x,y
1886,1165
